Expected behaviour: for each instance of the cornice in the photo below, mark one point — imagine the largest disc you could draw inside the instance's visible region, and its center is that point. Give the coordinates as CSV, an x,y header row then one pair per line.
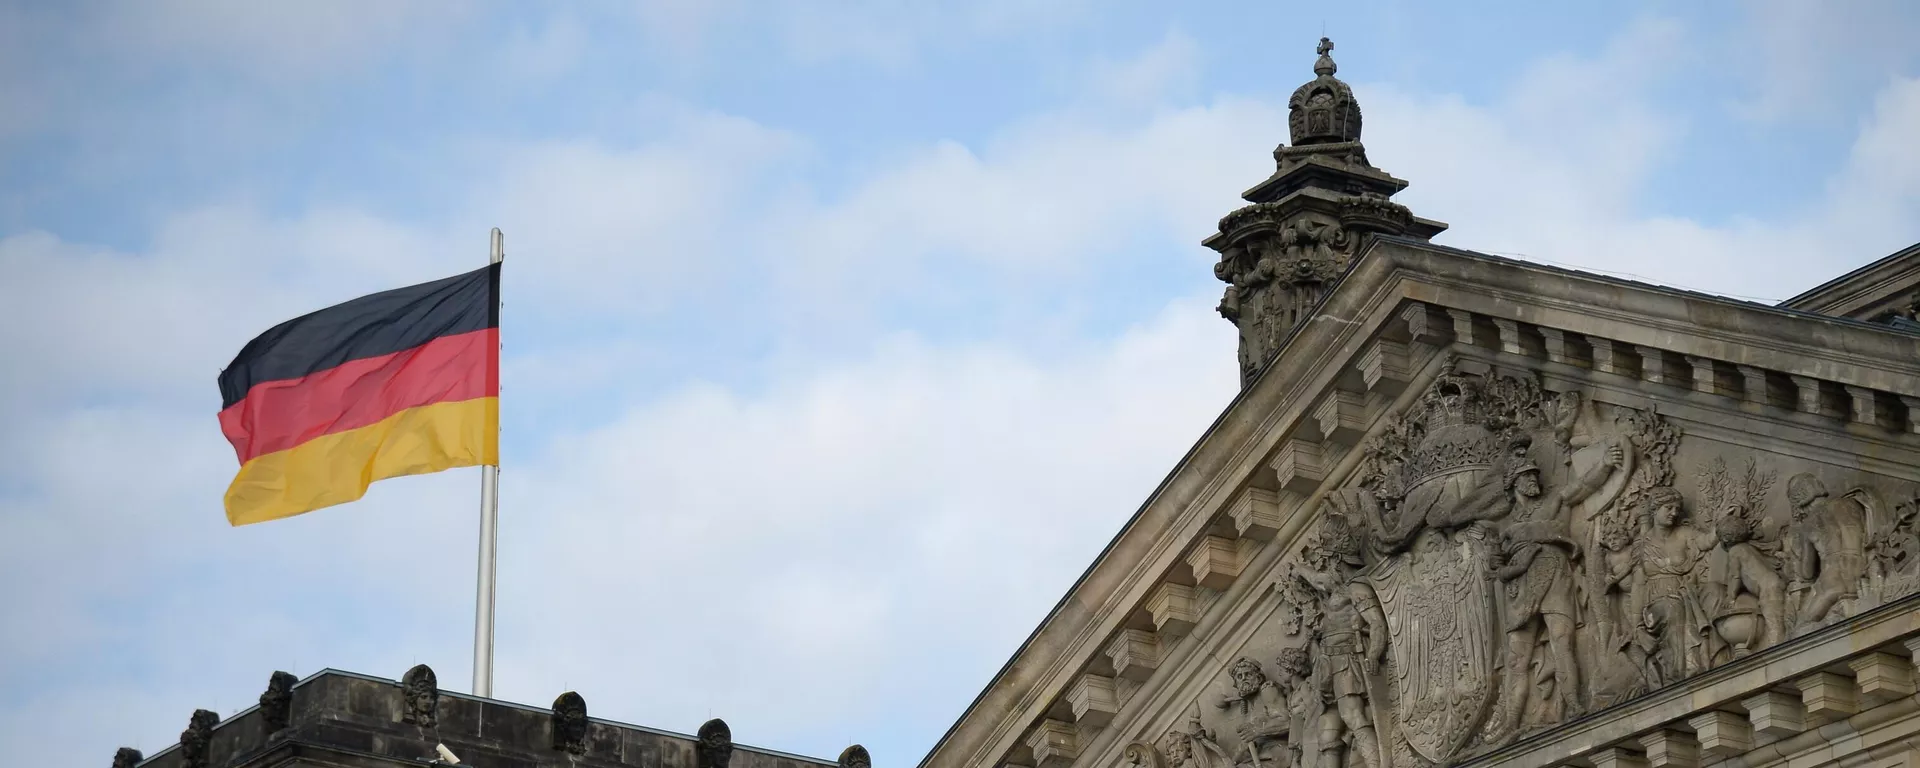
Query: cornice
x,y
1862,292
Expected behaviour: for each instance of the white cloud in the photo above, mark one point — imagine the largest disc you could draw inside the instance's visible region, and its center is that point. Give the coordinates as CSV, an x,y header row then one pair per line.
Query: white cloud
x,y
272,40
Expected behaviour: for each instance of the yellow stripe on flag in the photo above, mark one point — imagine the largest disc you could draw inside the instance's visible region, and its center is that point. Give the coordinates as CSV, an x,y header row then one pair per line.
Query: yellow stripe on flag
x,y
338,468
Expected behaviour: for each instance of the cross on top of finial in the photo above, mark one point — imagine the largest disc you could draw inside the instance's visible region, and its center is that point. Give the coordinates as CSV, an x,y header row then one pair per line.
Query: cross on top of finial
x,y
1325,66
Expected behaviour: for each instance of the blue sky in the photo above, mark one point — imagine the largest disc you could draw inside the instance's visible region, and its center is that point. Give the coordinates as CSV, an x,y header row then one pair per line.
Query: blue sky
x,y
840,336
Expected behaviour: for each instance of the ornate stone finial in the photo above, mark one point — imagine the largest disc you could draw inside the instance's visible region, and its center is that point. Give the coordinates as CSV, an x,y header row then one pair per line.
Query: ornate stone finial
x,y
421,690
195,740
715,748
127,757
569,720
1323,111
855,757
276,705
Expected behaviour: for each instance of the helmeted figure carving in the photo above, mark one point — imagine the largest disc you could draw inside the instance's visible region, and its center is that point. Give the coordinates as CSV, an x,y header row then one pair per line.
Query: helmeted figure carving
x,y
714,748
569,723
276,704
420,693
197,738
1829,546
1351,641
1536,564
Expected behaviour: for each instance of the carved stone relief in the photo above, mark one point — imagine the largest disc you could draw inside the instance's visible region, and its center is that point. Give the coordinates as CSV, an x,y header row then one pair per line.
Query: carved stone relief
x,y
276,704
196,740
569,719
127,757
855,757
1506,558
1276,275
715,746
420,690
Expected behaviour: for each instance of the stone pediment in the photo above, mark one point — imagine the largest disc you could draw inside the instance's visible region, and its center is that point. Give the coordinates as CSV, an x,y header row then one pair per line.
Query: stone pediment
x,y
1683,522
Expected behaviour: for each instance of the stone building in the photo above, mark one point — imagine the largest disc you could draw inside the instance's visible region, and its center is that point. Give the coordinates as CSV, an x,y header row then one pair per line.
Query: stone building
x,y
1471,511
335,718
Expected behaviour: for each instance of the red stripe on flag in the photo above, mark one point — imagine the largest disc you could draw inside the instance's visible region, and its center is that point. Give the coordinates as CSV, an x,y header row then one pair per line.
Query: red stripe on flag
x,y
277,415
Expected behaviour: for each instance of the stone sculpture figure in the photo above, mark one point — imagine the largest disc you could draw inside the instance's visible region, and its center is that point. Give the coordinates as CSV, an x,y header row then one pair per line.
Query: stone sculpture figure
x,y
1303,698
1667,555
276,704
1536,564
1141,754
127,757
1829,539
1746,602
1352,640
855,757
420,693
1261,709
1895,548
1618,628
196,740
714,748
569,722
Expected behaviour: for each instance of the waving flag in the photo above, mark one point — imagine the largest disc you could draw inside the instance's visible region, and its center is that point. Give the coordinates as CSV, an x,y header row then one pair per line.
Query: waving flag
x,y
403,382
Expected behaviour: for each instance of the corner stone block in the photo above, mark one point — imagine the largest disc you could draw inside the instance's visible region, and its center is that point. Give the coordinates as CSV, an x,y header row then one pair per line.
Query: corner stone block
x,y
1810,397
1174,607
1913,413
1864,407
1827,697
1913,650
1882,677
1135,654
1215,561
1617,757
1256,513
1711,377
1671,749
1426,324
1658,366
1613,357
1298,465
1565,348
1722,734
1466,331
1775,714
1054,743
1515,340
1093,701
1384,367
1757,386
1342,416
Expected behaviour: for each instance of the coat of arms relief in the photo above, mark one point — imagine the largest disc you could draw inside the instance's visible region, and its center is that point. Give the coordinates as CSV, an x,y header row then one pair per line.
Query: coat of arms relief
x,y
1507,558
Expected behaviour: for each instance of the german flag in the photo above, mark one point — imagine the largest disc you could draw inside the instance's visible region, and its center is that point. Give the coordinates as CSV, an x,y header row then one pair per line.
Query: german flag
x,y
404,382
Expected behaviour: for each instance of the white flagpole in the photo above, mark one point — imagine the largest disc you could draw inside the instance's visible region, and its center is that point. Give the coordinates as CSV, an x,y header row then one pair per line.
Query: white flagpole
x,y
489,526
